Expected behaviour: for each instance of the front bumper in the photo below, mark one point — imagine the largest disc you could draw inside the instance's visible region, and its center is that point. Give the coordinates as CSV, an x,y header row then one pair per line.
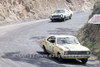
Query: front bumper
x,y
75,56
56,18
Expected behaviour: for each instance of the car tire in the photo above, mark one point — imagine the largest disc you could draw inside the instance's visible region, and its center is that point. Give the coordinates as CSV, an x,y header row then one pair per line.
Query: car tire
x,y
45,51
84,61
64,19
59,57
70,16
52,20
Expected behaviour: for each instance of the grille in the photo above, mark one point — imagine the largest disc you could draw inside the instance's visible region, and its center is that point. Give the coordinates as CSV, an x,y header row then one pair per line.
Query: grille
x,y
76,52
56,16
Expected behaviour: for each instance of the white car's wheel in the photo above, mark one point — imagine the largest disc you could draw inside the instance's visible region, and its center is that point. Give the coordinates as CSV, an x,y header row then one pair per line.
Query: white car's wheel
x,y
70,16
52,20
64,19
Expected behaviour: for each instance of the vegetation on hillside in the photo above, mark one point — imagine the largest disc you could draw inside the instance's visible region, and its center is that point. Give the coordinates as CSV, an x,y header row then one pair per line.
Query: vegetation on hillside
x,y
89,35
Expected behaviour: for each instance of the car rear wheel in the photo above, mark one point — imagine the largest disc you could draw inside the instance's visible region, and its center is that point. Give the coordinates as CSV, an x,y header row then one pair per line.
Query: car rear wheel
x,y
84,61
45,51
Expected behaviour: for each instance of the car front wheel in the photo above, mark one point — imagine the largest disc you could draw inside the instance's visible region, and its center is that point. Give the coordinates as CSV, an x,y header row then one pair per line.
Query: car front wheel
x,y
63,19
52,20
59,57
70,16
84,61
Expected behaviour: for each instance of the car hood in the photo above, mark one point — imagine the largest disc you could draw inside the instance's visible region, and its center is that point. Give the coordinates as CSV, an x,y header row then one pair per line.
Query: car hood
x,y
73,47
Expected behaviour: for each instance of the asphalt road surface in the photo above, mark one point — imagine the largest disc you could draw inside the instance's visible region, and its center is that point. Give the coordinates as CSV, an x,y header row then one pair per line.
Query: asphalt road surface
x,y
19,43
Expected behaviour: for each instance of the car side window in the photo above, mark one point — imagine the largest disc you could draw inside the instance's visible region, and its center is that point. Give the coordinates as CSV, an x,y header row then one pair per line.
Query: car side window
x,y
51,39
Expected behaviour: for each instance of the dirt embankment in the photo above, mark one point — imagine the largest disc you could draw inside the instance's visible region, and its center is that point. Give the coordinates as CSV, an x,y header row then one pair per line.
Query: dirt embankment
x,y
89,35
22,9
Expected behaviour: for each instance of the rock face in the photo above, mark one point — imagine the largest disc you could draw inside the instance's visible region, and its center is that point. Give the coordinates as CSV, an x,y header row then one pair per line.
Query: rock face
x,y
80,5
89,35
22,9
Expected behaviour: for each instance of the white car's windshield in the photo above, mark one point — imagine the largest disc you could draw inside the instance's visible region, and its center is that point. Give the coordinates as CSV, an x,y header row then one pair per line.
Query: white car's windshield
x,y
67,40
59,11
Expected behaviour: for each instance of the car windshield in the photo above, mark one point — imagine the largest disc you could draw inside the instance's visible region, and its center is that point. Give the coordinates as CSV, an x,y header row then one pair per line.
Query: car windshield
x,y
59,11
67,40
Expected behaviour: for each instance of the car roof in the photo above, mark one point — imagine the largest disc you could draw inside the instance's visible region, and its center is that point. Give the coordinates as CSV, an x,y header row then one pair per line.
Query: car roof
x,y
62,35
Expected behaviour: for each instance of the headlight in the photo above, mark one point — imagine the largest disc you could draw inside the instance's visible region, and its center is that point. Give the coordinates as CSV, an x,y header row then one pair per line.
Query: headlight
x,y
88,52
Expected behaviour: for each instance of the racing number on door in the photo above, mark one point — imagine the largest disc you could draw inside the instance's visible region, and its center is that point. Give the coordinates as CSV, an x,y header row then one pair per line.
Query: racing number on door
x,y
50,48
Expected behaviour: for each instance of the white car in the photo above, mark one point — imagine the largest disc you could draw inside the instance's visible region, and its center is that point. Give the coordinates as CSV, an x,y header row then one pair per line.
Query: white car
x,y
61,14
65,47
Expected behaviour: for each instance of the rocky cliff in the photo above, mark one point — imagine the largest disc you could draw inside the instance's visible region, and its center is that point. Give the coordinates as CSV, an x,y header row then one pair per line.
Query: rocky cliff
x,y
22,9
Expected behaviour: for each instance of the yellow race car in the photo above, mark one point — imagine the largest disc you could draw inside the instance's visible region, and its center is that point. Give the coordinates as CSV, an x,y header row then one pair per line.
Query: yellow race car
x,y
65,47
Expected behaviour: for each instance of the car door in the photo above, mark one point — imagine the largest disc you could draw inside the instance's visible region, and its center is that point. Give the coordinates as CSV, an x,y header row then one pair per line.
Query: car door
x,y
51,43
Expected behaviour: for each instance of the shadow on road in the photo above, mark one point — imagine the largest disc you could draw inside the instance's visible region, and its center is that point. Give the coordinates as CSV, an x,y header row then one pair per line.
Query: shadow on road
x,y
67,61
57,21
39,61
